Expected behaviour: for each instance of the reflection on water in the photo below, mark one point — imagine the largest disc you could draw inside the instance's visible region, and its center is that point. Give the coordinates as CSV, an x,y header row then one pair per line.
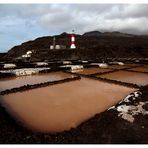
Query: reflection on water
x,y
8,83
60,107
130,77
93,70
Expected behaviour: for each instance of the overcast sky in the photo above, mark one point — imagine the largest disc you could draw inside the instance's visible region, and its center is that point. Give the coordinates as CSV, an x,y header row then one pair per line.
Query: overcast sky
x,y
22,22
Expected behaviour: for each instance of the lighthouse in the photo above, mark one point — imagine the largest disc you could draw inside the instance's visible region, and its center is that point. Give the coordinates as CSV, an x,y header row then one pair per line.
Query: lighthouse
x,y
72,40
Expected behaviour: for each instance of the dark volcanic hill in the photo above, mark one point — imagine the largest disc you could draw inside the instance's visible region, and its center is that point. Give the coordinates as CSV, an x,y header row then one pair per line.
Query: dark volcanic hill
x,y
112,34
90,45
2,55
93,33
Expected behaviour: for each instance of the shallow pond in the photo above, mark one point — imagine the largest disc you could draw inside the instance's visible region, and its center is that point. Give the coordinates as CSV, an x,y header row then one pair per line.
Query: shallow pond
x,y
63,106
12,82
129,77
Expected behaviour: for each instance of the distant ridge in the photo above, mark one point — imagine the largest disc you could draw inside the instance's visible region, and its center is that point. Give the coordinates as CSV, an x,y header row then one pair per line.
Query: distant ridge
x,y
90,45
114,33
92,33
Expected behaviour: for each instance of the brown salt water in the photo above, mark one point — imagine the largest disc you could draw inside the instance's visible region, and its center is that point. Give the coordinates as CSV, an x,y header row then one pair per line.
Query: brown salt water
x,y
129,77
9,83
93,70
63,106
146,66
140,69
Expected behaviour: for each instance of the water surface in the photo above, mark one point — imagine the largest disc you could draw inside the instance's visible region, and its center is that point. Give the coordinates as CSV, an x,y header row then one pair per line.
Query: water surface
x,y
129,77
63,106
12,82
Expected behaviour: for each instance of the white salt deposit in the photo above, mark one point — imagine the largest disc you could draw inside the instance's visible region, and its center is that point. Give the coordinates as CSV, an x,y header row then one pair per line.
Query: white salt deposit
x,y
9,65
118,63
84,61
123,108
127,112
112,107
41,63
127,117
74,68
24,71
67,62
126,99
134,95
101,65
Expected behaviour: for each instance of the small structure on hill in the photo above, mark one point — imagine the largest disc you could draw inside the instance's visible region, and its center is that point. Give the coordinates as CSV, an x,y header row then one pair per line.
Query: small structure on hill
x,y
54,46
25,57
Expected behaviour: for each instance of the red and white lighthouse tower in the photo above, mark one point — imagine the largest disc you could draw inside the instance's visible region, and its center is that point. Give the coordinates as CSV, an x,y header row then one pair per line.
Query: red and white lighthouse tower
x,y
73,46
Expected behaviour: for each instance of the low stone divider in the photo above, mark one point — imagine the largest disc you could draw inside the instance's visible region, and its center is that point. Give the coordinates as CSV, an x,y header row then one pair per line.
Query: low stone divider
x,y
54,69
108,80
116,82
5,75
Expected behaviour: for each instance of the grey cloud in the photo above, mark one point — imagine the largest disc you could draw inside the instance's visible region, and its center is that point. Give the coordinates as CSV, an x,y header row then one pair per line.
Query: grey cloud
x,y
48,19
129,11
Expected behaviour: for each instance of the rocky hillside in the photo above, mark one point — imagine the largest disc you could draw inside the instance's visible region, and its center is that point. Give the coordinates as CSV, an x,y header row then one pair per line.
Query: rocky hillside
x,y
2,55
114,34
90,45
